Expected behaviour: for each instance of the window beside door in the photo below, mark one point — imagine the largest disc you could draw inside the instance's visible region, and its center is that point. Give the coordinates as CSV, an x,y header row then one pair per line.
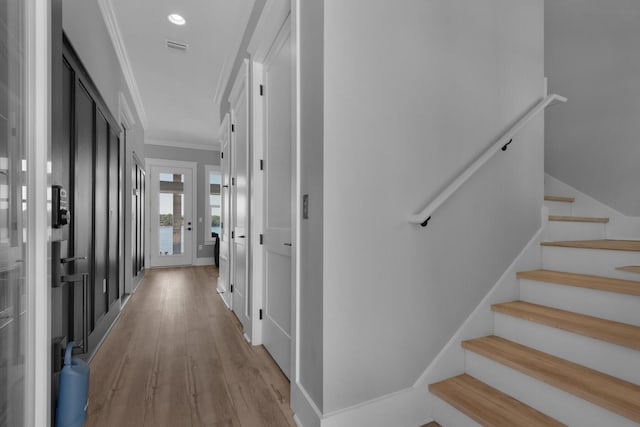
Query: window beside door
x,y
213,206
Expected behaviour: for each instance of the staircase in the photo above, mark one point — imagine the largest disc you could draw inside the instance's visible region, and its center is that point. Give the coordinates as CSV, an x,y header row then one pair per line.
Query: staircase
x,y
566,353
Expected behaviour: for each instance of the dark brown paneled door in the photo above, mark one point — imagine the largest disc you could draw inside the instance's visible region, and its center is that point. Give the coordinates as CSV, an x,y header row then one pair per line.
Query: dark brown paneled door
x,y
137,217
113,285
101,217
81,225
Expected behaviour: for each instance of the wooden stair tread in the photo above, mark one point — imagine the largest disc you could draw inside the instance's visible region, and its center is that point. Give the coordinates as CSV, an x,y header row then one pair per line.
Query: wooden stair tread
x,y
608,284
613,394
606,330
630,268
613,245
488,406
566,218
559,199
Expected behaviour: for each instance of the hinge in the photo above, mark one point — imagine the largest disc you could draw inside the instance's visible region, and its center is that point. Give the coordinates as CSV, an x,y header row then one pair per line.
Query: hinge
x,y
261,164
261,90
233,234
222,155
233,128
260,314
261,239
233,181
231,288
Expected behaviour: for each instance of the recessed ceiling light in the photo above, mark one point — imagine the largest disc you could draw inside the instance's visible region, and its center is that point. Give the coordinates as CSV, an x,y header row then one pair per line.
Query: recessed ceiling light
x,y
174,18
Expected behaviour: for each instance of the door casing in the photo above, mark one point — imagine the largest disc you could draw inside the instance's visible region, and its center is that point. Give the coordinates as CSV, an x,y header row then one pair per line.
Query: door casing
x,y
241,239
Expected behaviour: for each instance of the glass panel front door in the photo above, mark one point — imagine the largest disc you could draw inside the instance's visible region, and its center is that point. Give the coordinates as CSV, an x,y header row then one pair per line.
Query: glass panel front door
x,y
171,207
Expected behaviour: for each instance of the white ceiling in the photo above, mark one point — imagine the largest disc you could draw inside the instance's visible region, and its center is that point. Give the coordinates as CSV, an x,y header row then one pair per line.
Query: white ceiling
x,y
176,88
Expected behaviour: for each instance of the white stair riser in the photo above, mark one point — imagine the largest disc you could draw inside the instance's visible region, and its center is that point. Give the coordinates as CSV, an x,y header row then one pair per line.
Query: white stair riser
x,y
558,208
568,230
448,416
606,305
547,399
612,359
588,261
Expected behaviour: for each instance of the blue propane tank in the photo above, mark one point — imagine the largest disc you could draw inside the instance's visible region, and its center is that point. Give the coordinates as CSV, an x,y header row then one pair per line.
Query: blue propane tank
x,y
73,397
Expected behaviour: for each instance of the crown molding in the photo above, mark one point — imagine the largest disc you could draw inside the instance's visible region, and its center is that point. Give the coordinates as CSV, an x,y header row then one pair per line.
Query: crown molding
x,y
271,20
109,16
230,59
214,146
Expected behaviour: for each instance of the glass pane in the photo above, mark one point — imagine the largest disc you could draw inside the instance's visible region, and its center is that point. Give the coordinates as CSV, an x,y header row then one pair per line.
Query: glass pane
x,y
214,201
171,211
13,211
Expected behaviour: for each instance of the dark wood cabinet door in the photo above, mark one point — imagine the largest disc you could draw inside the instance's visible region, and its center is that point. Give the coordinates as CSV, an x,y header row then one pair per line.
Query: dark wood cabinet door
x,y
81,225
114,216
101,215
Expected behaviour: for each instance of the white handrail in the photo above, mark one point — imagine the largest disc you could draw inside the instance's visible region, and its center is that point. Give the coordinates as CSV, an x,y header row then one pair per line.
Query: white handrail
x,y
501,144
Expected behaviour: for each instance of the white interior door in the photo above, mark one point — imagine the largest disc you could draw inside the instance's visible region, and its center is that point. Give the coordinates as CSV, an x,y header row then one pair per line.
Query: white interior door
x,y
278,197
170,212
240,286
224,276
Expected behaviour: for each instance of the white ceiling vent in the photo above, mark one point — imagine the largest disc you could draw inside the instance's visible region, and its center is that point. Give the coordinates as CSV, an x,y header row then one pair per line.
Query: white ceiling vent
x,y
172,44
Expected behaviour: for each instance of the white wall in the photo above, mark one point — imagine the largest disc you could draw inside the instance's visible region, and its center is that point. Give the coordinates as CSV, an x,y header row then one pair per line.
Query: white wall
x,y
83,24
429,85
593,142
310,238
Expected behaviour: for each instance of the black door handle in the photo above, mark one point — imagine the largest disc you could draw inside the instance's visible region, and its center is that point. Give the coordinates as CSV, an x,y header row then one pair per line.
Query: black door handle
x,y
241,237
76,258
287,244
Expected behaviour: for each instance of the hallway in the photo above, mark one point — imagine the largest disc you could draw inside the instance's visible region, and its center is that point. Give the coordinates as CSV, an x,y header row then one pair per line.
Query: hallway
x,y
177,357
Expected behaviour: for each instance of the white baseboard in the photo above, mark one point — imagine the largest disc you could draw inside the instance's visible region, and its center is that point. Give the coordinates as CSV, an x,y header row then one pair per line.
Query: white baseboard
x,y
221,288
198,262
406,408
305,411
450,361
135,282
620,226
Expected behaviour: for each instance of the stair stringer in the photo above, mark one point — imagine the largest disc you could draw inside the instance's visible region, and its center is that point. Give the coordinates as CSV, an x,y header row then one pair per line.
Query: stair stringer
x,y
620,226
451,359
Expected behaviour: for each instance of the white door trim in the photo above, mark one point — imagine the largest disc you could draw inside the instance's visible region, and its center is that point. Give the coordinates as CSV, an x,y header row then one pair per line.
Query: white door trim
x,y
267,34
38,116
150,162
257,201
227,213
242,87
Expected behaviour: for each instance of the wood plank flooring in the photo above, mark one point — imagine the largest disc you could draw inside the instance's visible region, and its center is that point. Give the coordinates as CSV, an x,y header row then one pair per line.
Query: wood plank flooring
x,y
598,388
487,405
614,245
601,329
608,284
177,357
560,199
630,268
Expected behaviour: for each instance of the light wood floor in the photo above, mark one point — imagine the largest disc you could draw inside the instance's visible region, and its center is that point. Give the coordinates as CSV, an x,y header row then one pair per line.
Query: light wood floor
x,y
177,357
